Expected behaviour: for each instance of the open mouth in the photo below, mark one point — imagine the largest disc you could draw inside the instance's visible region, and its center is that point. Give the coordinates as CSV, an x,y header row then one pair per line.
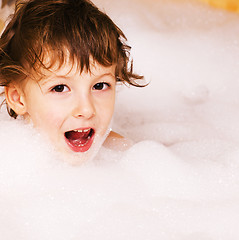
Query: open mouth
x,y
80,140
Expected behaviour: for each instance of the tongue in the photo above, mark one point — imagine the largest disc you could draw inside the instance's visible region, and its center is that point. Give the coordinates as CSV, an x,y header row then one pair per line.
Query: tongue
x,y
77,138
72,135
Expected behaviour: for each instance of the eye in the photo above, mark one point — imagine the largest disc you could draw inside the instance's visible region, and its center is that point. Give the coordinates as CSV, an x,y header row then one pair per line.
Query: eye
x,y
101,86
60,88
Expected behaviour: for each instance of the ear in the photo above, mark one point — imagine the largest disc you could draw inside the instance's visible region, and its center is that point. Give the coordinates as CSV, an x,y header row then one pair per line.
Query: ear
x,y
15,99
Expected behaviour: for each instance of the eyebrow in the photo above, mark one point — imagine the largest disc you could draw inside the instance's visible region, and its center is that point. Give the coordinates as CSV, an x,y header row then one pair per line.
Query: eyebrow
x,y
105,75
44,80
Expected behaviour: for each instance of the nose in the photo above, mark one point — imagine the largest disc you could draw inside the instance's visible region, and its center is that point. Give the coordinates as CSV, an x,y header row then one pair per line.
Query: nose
x,y
84,107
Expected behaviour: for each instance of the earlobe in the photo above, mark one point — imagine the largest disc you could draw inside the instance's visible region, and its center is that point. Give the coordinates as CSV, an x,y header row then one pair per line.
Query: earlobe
x,y
15,99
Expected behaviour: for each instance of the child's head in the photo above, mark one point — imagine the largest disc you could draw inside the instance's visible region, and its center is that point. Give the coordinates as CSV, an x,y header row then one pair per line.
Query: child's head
x,y
59,63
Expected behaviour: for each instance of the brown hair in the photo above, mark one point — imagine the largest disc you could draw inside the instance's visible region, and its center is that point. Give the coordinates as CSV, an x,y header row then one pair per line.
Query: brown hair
x,y
72,29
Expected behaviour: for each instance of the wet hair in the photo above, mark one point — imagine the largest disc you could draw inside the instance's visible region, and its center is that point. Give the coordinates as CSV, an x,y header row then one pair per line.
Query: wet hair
x,y
64,30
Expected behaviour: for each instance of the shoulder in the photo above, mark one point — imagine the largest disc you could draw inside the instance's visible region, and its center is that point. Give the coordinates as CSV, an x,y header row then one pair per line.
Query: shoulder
x,y
116,142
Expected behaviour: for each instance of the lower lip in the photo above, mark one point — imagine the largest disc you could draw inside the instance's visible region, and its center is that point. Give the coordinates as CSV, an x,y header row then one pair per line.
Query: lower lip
x,y
83,148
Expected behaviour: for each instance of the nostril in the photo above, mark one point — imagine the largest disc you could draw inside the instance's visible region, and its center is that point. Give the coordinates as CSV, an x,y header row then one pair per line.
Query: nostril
x,y
84,113
84,109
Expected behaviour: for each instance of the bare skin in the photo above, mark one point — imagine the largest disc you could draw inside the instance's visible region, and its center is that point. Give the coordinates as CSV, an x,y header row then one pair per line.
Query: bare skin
x,y
117,142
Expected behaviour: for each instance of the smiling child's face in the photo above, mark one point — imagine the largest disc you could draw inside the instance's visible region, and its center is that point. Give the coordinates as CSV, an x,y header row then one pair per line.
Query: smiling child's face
x,y
73,109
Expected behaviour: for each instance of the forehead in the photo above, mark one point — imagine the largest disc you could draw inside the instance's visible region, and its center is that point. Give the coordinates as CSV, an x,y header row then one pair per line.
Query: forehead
x,y
51,67
72,71
64,62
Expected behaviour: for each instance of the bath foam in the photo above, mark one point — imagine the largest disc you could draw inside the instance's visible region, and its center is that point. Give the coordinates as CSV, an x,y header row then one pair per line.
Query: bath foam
x,y
148,193
180,179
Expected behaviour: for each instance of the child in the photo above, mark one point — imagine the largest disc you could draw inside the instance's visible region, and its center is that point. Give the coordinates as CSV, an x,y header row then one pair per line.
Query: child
x,y
60,61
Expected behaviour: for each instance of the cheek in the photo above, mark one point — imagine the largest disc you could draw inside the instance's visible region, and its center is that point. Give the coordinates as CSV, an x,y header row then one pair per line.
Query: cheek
x,y
106,109
53,118
46,117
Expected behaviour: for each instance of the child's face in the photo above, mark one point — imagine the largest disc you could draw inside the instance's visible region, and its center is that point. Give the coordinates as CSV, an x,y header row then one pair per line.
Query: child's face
x,y
73,109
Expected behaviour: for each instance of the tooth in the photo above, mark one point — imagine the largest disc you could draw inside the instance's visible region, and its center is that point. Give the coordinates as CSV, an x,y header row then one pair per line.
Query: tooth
x,y
87,130
77,130
81,130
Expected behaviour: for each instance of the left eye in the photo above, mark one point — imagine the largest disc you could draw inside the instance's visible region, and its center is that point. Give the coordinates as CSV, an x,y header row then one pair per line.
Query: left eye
x,y
60,88
101,86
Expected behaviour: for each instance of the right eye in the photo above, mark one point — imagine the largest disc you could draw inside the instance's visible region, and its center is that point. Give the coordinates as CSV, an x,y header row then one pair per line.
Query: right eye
x,y
60,88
